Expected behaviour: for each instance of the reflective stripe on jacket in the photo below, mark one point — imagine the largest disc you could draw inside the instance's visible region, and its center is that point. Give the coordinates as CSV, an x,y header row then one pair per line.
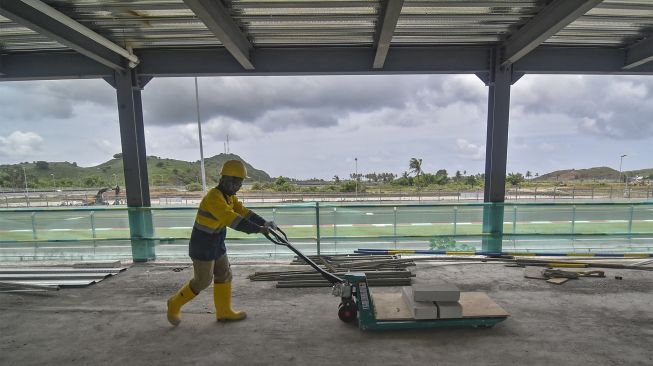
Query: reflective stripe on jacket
x,y
215,213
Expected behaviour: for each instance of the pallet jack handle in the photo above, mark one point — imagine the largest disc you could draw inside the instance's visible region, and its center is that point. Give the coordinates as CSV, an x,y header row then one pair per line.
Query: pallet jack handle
x,y
279,237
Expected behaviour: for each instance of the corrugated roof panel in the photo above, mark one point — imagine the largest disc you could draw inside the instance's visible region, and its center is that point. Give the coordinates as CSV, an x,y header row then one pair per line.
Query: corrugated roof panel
x,y
245,11
446,39
307,22
613,23
14,37
170,23
461,22
140,23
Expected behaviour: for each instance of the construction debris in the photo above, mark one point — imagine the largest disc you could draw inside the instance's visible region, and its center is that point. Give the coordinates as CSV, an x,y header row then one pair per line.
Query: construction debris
x,y
24,279
98,264
557,281
559,276
545,263
381,270
12,287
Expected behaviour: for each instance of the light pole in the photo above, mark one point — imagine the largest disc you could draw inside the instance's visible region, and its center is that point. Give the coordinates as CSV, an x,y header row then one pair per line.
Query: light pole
x,y
26,190
115,180
356,177
199,129
54,186
621,160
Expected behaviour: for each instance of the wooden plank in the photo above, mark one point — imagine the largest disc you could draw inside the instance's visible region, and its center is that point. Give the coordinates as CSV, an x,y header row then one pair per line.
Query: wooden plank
x,y
391,306
557,281
480,305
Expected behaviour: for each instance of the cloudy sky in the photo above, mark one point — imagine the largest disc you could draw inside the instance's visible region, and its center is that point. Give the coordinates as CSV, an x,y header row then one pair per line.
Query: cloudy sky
x,y
315,126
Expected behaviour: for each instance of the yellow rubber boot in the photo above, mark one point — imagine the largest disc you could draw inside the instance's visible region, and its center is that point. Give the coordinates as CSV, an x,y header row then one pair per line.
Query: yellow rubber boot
x,y
177,301
222,300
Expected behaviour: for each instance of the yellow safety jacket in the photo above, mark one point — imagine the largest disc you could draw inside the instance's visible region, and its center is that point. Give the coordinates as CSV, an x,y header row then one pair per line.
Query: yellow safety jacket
x,y
217,212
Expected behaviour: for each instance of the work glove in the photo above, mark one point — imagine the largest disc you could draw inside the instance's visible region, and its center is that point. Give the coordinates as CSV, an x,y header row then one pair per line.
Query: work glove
x,y
271,225
264,230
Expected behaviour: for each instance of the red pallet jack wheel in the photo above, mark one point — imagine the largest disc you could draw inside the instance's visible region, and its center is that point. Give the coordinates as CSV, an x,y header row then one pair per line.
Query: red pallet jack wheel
x,y
347,311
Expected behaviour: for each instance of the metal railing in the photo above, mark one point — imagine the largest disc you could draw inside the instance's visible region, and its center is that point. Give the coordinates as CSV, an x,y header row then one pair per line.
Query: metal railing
x,y
77,198
98,232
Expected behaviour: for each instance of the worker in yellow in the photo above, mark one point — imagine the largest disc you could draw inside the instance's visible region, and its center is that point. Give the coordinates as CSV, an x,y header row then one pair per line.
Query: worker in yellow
x,y
218,210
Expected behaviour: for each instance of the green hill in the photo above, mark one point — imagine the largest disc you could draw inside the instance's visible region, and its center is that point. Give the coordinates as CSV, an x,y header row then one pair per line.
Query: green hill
x,y
597,173
171,171
161,171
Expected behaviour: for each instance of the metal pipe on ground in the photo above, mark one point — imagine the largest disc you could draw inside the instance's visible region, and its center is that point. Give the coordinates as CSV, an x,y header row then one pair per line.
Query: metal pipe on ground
x,y
585,264
11,287
324,283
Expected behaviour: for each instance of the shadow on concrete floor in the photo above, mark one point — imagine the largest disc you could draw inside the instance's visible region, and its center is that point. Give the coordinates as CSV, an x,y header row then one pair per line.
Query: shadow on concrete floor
x,y
121,321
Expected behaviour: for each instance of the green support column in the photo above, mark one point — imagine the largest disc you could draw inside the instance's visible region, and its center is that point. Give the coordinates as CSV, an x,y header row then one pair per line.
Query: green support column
x,y
493,227
499,81
140,229
132,135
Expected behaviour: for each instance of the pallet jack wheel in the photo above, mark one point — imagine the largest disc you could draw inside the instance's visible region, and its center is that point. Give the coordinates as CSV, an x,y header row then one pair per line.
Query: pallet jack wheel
x,y
347,311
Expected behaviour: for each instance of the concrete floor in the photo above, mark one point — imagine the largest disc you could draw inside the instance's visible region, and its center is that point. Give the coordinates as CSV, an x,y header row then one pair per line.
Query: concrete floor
x,y
122,321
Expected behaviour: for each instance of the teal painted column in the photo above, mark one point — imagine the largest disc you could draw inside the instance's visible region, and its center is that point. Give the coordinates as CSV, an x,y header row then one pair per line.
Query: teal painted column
x,y
496,153
132,136
140,230
493,227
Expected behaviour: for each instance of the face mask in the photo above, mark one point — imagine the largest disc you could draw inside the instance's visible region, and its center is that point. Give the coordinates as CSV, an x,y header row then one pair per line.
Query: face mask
x,y
230,185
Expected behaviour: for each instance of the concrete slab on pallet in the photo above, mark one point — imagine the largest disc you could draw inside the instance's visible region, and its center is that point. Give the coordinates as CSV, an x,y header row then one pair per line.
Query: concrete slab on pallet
x,y
419,310
449,309
436,292
391,306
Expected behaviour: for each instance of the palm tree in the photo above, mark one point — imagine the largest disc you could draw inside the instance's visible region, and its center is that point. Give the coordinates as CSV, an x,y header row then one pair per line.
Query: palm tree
x,y
415,166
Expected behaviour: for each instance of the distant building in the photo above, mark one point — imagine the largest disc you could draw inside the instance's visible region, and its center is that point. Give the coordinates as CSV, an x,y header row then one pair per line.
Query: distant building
x,y
639,180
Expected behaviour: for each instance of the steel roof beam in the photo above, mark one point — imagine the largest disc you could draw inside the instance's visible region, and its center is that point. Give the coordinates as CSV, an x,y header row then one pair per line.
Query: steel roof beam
x,y
546,23
578,60
314,61
388,17
50,66
57,26
639,53
320,61
217,19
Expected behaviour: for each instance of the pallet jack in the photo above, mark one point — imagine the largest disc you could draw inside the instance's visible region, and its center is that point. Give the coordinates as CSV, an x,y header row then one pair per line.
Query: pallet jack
x,y
388,311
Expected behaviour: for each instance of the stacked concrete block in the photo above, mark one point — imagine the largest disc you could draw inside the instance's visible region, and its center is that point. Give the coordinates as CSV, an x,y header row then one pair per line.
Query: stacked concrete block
x,y
449,309
420,310
436,292
422,299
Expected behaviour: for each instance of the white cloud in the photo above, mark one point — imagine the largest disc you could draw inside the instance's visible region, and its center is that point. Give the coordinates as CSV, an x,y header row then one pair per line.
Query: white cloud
x,y
466,149
619,108
20,144
306,126
107,146
519,143
546,147
60,99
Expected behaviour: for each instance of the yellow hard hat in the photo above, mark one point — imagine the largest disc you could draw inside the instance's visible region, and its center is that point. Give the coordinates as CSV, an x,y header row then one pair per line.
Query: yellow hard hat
x,y
234,168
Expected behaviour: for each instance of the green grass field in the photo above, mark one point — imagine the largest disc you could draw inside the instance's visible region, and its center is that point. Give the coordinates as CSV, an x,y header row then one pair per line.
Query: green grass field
x,y
329,231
